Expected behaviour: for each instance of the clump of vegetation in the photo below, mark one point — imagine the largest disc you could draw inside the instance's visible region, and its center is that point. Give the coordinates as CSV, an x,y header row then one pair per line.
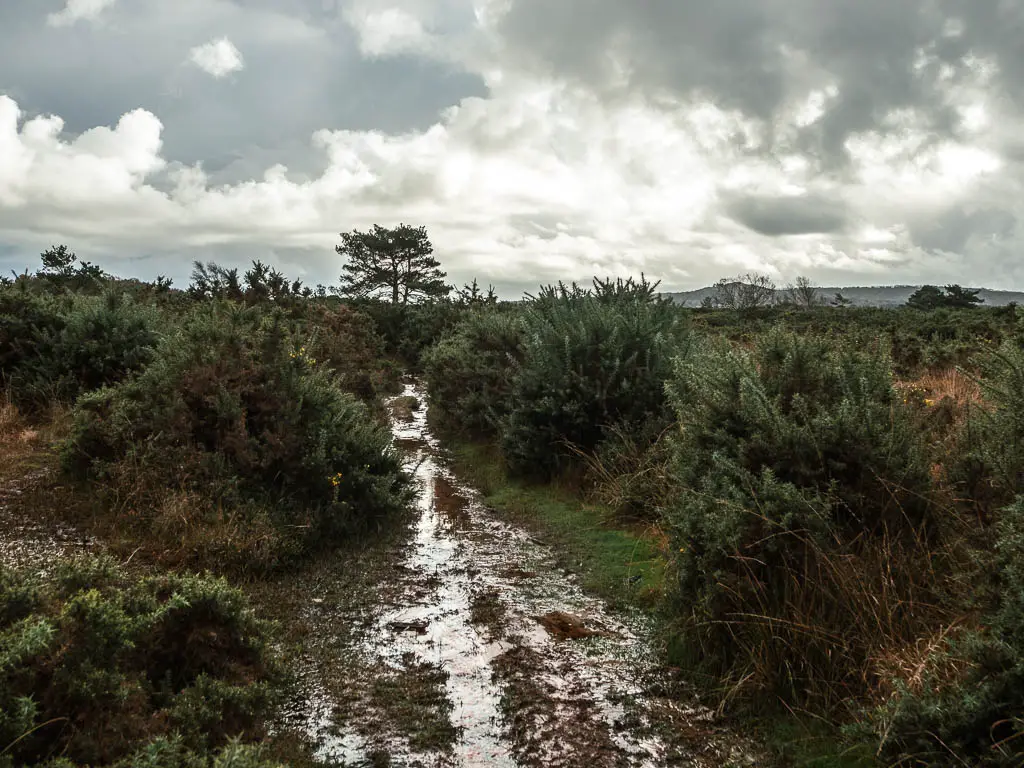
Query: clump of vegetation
x,y
97,667
235,439
56,348
929,297
410,330
967,698
802,479
964,698
990,467
346,340
591,360
469,373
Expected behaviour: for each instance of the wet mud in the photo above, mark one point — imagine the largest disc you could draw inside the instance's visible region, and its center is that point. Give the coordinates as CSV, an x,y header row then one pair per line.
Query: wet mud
x,y
458,641
31,542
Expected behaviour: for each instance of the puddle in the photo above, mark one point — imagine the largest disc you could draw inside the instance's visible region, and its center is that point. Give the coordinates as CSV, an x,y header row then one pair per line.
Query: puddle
x,y
33,545
530,670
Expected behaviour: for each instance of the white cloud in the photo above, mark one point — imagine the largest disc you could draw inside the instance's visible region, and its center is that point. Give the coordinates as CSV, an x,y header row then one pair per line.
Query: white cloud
x,y
103,166
388,32
218,58
78,10
535,183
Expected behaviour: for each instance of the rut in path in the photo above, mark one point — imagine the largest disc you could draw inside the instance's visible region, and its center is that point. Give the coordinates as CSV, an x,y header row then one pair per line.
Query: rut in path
x,y
475,649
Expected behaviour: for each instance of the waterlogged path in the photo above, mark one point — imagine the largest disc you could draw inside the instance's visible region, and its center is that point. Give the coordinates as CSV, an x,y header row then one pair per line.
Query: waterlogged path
x,y
459,642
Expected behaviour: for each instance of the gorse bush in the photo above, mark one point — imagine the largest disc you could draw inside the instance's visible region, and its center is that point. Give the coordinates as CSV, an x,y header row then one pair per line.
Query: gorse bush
x,y
409,330
967,704
235,416
95,665
469,372
591,360
25,319
917,341
991,465
347,341
56,348
970,702
801,478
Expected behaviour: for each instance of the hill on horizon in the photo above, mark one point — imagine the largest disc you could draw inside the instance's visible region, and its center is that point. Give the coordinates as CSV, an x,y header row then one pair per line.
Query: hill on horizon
x,y
862,296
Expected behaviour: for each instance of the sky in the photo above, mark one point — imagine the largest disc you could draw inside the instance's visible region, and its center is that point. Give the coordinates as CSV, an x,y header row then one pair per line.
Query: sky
x,y
856,142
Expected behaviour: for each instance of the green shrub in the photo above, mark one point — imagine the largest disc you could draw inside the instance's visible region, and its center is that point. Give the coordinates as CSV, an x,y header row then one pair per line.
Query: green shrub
x,y
991,464
469,372
409,330
802,479
25,320
591,360
970,701
57,348
968,704
347,340
95,664
918,341
172,753
234,412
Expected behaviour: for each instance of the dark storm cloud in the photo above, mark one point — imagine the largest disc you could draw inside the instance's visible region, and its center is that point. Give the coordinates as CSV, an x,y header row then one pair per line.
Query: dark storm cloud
x,y
303,72
799,215
755,55
953,228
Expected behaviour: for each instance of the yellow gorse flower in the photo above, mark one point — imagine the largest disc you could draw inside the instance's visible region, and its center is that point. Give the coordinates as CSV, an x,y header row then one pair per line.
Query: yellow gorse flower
x,y
301,355
336,480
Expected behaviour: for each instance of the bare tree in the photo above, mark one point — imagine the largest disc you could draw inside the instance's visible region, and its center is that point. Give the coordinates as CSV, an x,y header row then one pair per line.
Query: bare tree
x,y
803,294
747,291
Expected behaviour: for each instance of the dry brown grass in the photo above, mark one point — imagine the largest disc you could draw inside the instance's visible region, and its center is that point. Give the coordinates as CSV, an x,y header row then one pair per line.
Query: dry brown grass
x,y
836,628
945,399
952,383
23,443
926,662
633,479
10,420
133,517
949,387
181,528
14,428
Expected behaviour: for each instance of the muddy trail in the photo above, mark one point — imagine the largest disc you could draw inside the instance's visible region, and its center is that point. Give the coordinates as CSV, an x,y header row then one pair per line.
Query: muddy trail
x,y
33,543
458,641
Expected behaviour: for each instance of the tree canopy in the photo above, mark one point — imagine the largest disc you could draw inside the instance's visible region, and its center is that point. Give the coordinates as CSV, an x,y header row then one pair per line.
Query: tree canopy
x,y
929,297
395,264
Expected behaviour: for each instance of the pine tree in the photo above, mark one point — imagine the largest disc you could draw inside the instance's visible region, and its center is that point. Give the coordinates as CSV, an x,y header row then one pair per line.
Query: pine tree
x,y
471,294
391,263
962,298
58,260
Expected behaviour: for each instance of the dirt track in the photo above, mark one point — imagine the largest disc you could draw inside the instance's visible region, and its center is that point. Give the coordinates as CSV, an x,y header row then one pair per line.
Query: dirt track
x,y
459,642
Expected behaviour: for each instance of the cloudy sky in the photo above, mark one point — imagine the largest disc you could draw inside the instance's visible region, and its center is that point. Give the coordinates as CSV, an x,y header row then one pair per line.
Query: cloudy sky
x,y
854,141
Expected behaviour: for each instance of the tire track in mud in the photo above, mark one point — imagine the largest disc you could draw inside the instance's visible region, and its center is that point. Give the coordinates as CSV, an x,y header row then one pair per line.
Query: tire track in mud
x,y
479,651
